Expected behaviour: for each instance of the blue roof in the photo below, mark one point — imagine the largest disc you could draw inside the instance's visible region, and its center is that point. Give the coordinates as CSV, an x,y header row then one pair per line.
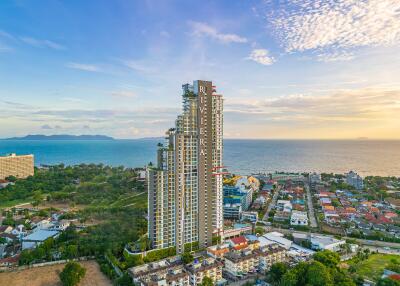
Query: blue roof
x,y
40,235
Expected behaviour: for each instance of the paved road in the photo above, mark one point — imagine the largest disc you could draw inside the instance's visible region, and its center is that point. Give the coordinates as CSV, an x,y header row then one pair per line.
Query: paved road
x,y
272,203
311,214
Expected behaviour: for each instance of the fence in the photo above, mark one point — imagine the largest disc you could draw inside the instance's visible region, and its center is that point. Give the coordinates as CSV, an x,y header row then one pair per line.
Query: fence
x,y
18,268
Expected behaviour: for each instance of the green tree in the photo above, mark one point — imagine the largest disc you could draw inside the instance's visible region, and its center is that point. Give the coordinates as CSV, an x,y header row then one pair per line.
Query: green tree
x,y
72,273
71,251
187,257
37,198
207,281
259,230
388,282
318,275
327,257
125,280
277,271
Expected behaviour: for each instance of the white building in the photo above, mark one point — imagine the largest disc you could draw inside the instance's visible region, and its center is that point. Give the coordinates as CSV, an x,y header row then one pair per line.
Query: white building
x,y
353,179
314,178
284,205
249,216
299,218
323,242
278,238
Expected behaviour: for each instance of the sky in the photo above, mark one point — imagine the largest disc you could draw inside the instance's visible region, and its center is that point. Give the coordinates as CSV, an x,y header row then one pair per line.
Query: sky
x,y
294,69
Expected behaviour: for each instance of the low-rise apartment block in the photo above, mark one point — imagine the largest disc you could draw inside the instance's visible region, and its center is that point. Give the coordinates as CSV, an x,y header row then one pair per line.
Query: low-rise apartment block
x,y
209,267
241,263
167,272
269,255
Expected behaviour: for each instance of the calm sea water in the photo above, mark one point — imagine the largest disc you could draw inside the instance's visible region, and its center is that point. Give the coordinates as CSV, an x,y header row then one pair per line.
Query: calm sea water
x,y
368,157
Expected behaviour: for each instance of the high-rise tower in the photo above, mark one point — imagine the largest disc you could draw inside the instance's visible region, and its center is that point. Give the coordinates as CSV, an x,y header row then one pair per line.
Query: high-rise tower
x,y
185,188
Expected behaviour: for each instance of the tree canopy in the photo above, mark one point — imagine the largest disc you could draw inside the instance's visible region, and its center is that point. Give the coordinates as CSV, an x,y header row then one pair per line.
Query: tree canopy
x,y
72,273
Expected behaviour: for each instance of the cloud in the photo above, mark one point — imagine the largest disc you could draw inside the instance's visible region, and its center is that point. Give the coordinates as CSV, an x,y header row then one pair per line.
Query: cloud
x,y
46,127
202,29
366,104
335,57
124,93
5,35
165,34
261,56
320,25
83,67
4,48
42,43
138,66
73,99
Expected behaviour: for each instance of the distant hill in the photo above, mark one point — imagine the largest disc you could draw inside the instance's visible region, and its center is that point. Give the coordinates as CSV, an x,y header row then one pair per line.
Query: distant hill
x,y
62,137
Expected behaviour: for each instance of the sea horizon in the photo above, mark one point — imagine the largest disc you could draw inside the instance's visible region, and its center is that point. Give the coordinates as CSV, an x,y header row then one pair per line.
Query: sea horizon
x,y
241,156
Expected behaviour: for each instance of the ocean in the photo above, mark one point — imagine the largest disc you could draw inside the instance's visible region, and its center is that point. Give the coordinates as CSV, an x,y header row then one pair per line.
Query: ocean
x,y
367,157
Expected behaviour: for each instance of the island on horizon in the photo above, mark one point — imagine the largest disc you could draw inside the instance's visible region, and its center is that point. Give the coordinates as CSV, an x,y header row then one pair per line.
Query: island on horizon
x,y
61,137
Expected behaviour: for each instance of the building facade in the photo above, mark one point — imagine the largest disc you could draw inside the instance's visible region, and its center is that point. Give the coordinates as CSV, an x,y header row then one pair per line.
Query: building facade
x,y
355,180
19,166
185,186
299,218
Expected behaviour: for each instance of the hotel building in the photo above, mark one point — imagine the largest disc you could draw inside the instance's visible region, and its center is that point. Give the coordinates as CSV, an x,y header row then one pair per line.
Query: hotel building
x,y
21,166
185,186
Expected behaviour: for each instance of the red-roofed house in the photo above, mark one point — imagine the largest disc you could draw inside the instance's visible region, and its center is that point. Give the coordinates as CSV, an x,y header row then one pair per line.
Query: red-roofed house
x,y
238,243
9,261
390,215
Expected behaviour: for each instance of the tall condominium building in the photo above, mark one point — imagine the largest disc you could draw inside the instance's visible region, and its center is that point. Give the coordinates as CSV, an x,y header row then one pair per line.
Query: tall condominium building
x,y
18,166
185,186
355,180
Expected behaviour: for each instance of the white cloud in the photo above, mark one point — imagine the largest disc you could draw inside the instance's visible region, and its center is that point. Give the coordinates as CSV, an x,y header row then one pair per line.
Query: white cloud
x,y
339,25
203,29
365,104
261,56
139,66
4,48
335,56
83,67
42,43
164,34
124,93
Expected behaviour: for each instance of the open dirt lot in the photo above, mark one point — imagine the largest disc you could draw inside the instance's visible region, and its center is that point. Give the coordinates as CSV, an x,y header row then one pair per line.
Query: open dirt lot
x,y
48,276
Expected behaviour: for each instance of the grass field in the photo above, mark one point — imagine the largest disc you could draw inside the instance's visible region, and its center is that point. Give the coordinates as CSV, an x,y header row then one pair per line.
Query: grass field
x,y
48,276
372,268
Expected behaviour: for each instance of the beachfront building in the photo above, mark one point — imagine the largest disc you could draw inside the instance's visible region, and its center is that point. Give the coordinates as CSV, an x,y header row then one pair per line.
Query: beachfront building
x,y
185,186
355,180
19,166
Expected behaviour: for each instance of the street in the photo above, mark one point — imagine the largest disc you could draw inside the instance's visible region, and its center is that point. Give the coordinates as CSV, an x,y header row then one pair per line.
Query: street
x,y
272,203
311,214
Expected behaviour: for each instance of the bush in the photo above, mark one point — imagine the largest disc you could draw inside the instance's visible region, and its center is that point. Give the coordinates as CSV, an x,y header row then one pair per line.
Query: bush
x,y
72,273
